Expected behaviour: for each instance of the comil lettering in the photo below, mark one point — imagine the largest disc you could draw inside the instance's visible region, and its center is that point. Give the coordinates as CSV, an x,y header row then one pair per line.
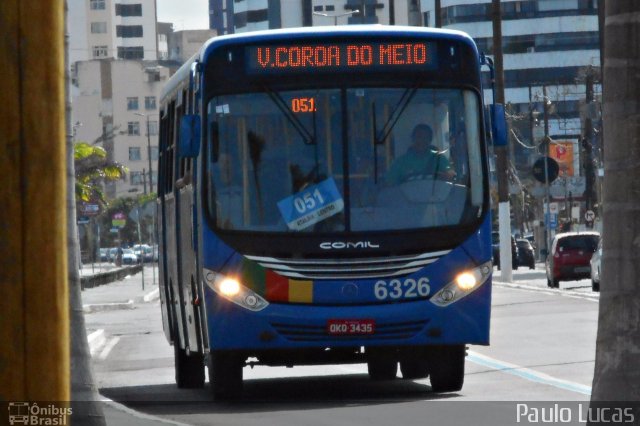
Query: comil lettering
x,y
339,245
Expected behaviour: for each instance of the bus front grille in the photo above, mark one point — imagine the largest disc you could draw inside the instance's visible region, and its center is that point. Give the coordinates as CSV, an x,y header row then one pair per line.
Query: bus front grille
x,y
318,333
359,268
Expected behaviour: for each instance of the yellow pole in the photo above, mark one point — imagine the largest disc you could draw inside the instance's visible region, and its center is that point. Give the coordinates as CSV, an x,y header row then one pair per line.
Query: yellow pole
x,y
34,326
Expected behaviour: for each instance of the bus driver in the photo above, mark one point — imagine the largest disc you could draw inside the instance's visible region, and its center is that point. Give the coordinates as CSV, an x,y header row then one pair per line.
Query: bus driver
x,y
421,160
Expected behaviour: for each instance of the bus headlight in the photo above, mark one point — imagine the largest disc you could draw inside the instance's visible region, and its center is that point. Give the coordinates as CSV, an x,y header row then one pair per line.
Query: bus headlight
x,y
231,289
463,284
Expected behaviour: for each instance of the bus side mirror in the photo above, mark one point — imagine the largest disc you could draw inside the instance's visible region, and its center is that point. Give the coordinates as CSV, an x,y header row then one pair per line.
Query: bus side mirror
x,y
498,125
189,146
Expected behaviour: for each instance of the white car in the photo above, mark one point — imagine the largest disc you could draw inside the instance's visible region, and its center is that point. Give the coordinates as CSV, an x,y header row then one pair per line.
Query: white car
x,y
128,257
595,267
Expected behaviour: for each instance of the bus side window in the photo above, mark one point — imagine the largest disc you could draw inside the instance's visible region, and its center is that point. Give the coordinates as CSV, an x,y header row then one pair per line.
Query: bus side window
x,y
171,138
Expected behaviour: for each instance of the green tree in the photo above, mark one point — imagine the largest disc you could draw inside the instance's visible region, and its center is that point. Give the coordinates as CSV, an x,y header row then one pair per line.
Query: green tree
x,y
617,367
92,169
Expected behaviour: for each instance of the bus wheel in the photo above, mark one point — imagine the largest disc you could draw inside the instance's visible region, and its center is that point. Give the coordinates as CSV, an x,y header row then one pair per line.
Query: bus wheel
x,y
189,368
225,375
382,364
446,367
414,365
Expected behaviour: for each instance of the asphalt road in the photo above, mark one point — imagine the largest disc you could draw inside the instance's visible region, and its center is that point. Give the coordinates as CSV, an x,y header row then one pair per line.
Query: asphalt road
x,y
542,351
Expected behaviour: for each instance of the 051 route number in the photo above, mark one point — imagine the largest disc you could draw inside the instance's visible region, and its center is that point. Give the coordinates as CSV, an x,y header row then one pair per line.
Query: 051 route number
x,y
396,289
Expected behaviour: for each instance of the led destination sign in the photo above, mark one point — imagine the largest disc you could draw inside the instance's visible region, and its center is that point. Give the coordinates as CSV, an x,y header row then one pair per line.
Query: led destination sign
x,y
340,56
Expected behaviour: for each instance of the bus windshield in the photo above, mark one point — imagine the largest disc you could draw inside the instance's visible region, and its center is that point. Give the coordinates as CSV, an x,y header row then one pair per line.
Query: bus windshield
x,y
344,159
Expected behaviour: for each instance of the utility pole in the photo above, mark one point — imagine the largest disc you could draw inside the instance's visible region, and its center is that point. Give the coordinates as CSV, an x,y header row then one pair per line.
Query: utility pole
x,y
587,141
545,147
504,214
438,18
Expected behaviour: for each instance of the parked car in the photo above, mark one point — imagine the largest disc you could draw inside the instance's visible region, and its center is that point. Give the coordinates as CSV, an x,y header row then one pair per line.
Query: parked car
x,y
569,257
526,254
595,267
113,252
104,255
495,246
144,252
129,257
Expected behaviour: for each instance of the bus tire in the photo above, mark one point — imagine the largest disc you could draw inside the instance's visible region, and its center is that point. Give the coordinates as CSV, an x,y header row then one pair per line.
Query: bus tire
x,y
225,375
446,367
382,364
414,364
189,368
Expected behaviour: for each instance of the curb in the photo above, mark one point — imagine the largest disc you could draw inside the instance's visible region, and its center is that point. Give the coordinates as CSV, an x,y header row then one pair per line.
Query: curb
x,y
141,416
550,291
152,295
101,307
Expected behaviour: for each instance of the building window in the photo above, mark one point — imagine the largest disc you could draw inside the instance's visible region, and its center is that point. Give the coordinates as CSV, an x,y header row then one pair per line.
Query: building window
x,y
133,128
135,178
136,52
132,103
97,4
149,102
153,128
329,8
260,15
98,27
128,31
128,9
318,8
134,153
100,51
154,153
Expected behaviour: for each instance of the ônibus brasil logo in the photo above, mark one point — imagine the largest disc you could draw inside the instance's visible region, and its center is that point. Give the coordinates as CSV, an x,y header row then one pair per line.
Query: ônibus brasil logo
x,y
25,413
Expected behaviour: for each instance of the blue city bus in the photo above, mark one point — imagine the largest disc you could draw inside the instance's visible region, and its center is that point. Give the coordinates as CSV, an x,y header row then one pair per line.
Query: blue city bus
x,y
323,198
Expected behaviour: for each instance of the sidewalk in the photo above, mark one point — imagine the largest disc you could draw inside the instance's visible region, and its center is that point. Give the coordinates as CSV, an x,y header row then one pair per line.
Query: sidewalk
x,y
121,294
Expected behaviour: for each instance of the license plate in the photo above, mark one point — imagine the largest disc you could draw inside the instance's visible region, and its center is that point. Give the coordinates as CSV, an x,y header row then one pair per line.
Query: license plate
x,y
582,269
349,326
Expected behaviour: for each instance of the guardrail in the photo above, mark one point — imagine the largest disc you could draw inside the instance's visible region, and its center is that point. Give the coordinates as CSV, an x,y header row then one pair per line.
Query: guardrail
x,y
109,276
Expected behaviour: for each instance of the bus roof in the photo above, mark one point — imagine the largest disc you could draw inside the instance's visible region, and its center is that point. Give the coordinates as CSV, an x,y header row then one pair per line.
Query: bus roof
x,y
302,32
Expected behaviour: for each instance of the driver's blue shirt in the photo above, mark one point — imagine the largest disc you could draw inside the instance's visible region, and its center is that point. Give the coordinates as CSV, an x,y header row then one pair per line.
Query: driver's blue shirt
x,y
413,164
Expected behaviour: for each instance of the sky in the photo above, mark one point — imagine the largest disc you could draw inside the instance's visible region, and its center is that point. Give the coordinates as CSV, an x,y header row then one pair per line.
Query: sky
x,y
184,14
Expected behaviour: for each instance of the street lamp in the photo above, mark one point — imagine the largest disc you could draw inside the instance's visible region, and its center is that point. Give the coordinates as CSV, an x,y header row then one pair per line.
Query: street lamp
x,y
148,150
336,16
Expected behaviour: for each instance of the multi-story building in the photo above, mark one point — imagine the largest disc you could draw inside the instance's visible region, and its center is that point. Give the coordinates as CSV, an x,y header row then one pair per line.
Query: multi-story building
x,y
117,83
230,16
182,45
117,103
549,46
122,29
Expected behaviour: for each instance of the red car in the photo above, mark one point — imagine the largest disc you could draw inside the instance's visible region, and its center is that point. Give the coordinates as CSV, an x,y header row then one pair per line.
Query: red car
x,y
570,256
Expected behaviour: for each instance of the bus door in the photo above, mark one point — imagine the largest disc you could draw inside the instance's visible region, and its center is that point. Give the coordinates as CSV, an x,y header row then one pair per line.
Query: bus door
x,y
160,230
170,250
185,243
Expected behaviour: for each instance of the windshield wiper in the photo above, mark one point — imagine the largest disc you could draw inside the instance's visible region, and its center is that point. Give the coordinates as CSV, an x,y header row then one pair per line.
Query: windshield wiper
x,y
308,137
402,104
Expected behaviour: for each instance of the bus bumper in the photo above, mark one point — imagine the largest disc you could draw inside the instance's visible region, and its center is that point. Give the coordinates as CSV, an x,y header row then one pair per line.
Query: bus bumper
x,y
291,326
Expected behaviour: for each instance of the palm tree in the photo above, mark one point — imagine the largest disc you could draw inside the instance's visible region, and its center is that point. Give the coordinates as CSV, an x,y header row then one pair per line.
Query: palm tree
x,y
91,170
617,367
